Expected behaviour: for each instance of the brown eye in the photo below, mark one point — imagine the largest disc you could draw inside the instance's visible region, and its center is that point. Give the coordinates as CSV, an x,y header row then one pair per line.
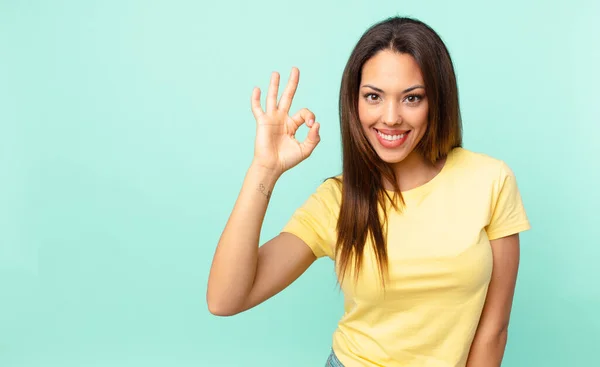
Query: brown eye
x,y
371,96
413,98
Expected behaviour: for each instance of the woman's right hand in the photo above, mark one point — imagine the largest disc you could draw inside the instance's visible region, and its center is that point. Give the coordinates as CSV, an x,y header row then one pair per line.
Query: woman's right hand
x,y
276,147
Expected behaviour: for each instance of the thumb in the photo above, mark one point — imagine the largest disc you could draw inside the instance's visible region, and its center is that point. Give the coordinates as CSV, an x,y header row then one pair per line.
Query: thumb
x,y
312,139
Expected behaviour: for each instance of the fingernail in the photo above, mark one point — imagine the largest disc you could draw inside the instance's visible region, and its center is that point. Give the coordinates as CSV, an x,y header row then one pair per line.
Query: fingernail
x,y
310,122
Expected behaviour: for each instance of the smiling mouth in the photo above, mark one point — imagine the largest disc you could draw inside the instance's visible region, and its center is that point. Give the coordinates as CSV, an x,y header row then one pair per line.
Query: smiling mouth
x,y
392,135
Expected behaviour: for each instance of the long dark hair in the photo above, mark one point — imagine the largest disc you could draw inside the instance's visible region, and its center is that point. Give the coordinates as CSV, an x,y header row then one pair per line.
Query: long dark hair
x,y
364,172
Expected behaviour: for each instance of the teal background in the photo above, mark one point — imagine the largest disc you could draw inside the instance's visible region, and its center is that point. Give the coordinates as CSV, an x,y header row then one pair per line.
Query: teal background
x,y
125,133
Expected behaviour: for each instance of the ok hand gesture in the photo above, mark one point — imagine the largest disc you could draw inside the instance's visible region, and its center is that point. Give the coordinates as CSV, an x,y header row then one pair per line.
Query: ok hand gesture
x,y
276,147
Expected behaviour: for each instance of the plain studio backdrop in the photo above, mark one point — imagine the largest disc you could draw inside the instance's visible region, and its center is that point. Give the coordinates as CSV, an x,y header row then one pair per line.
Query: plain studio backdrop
x,y
126,131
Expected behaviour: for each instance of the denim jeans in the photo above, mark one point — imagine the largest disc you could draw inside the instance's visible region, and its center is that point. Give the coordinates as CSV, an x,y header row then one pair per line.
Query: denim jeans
x,y
332,361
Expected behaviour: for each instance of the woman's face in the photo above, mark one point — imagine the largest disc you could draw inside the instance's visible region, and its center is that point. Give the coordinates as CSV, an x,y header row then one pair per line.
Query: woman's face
x,y
392,105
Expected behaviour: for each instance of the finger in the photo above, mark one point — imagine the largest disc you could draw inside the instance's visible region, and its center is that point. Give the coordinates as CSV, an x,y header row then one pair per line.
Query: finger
x,y
302,116
273,91
290,90
257,110
312,139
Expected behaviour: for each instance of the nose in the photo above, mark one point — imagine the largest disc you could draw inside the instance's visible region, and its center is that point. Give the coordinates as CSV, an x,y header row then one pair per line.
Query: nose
x,y
391,115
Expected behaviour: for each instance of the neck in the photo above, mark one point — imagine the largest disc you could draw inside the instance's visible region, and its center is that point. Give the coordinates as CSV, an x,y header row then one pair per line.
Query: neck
x,y
415,170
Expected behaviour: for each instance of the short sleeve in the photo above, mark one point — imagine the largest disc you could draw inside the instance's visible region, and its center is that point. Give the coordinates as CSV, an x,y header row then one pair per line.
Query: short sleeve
x,y
508,214
315,221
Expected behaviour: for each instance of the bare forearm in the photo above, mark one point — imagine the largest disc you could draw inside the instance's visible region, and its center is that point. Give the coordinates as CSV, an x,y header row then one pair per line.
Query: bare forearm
x,y
487,351
234,264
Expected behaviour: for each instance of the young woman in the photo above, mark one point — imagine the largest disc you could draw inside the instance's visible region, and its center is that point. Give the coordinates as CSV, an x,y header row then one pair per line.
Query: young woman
x,y
423,232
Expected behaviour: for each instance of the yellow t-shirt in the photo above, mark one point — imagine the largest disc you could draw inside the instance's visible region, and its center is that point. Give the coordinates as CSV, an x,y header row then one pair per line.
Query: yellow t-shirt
x,y
440,262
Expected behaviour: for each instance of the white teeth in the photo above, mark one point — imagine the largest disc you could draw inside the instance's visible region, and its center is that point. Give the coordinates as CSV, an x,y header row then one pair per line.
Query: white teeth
x,y
390,137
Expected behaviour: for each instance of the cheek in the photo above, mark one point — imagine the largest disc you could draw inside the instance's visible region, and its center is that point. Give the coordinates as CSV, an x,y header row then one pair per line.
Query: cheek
x,y
363,116
421,123
366,115
419,117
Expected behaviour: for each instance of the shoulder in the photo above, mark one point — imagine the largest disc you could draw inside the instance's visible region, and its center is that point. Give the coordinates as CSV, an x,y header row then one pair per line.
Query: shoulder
x,y
330,190
320,211
478,164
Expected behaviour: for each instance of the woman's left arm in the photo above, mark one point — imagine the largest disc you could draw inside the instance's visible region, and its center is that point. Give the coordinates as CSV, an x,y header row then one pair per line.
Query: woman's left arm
x,y
490,339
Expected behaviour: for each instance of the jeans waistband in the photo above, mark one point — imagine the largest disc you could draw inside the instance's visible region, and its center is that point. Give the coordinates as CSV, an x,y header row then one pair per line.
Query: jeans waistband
x,y
332,361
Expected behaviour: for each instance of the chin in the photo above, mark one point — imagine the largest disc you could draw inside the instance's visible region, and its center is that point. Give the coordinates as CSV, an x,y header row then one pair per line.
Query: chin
x,y
392,158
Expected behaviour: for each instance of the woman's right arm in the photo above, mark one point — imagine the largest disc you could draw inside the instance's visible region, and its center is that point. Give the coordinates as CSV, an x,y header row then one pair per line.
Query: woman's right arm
x,y
243,274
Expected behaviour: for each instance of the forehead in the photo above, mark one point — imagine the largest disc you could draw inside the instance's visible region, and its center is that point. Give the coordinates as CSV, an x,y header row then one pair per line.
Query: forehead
x,y
391,69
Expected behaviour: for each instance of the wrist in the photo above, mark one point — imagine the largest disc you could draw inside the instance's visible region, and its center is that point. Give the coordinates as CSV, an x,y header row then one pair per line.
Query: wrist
x,y
265,172
264,178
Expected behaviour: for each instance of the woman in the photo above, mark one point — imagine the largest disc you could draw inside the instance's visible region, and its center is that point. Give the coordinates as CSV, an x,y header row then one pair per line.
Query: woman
x,y
424,233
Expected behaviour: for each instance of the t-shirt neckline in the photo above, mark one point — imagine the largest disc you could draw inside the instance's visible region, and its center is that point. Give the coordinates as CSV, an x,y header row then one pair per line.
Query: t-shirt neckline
x,y
431,183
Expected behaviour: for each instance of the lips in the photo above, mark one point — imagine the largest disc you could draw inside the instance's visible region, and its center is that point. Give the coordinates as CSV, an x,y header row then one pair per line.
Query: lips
x,y
391,138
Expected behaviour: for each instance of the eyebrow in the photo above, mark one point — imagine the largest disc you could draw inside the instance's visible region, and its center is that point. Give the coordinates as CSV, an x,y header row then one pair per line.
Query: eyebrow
x,y
410,89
